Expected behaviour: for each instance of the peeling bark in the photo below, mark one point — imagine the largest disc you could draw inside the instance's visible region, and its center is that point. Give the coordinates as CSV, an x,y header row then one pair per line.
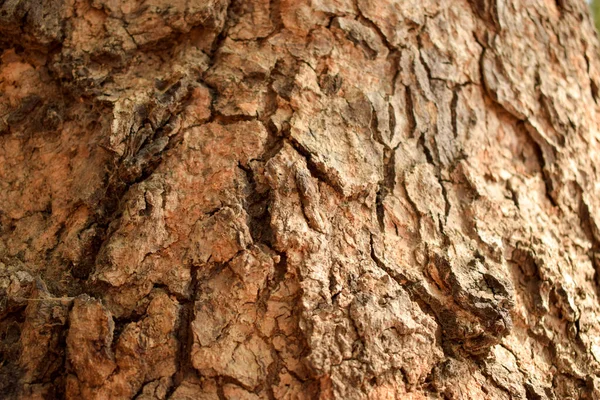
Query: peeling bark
x,y
299,199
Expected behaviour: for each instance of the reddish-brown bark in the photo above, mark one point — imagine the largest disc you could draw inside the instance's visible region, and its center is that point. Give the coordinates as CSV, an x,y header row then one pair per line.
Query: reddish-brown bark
x,y
297,199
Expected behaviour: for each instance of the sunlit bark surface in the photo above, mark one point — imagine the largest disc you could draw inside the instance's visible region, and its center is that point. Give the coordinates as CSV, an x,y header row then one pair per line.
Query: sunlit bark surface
x,y
296,199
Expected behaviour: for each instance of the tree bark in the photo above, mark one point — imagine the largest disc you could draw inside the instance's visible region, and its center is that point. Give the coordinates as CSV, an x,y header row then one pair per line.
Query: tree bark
x,y
299,199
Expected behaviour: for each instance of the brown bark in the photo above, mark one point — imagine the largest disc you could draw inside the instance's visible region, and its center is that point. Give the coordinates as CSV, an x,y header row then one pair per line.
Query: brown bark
x,y
296,199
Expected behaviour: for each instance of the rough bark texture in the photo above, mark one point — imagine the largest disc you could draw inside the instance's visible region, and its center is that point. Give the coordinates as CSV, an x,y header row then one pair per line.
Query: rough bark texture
x,y
296,199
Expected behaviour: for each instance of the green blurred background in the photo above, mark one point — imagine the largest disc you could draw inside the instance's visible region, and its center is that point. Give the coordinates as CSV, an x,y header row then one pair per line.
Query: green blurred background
x,y
595,5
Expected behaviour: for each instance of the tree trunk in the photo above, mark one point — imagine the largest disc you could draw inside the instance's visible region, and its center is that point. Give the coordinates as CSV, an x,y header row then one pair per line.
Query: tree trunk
x,y
296,199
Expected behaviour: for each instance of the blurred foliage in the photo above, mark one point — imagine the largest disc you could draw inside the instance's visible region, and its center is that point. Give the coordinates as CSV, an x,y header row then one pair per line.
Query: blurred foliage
x,y
595,5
